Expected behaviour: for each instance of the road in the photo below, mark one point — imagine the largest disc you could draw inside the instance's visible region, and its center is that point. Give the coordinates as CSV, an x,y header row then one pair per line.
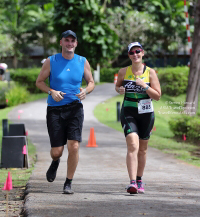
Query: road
x,y
172,186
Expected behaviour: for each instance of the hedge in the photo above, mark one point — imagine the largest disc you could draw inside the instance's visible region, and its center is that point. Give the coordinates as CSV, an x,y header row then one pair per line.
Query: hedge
x,y
107,74
173,80
26,77
17,95
188,125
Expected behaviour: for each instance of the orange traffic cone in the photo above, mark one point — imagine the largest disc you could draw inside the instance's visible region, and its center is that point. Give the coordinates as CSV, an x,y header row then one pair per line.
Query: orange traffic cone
x,y
92,139
115,78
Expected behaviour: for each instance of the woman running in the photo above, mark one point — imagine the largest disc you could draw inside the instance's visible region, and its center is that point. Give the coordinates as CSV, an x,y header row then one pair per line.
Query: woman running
x,y
140,85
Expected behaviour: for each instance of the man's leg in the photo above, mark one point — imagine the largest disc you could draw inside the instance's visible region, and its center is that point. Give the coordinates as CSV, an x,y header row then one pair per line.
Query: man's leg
x,y
73,157
72,162
56,153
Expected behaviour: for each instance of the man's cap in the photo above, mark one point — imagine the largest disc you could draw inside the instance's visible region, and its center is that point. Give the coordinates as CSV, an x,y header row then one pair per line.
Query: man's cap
x,y
67,33
134,44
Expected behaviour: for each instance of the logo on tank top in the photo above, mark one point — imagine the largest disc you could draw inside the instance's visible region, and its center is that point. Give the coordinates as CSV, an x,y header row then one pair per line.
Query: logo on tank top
x,y
132,87
67,69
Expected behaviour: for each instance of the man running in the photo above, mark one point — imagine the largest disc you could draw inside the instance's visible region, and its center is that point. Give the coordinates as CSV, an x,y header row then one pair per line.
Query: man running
x,y
65,111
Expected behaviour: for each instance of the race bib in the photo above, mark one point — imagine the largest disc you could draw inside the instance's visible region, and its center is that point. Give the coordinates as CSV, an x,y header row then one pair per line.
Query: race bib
x,y
145,106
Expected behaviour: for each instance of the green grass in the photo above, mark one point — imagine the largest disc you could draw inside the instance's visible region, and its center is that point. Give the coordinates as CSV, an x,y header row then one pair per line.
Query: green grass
x,y
162,138
37,96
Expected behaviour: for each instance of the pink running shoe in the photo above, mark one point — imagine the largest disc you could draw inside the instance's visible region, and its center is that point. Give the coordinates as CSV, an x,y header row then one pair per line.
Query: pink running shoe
x,y
132,188
140,187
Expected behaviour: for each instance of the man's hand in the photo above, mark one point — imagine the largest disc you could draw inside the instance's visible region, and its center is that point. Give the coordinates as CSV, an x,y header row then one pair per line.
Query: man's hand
x,y
57,95
82,94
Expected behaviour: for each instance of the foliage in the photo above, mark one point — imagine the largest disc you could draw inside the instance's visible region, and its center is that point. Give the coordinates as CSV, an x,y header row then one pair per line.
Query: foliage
x,y
170,20
107,74
190,126
17,95
173,80
130,25
26,77
43,31
97,41
2,97
17,24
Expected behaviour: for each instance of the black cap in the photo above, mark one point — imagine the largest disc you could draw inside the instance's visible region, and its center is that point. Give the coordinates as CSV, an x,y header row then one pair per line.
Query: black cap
x,y
67,33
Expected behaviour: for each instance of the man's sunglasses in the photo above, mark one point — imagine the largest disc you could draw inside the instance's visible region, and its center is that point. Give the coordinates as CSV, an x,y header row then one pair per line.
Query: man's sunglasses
x,y
135,51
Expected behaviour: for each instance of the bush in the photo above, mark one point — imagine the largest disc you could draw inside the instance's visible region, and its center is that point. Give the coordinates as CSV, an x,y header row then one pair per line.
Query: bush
x,y
173,80
2,96
27,77
107,74
188,125
17,95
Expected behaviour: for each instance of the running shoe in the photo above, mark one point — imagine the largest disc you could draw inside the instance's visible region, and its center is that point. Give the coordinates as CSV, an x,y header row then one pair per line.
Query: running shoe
x,y
67,189
140,186
51,172
132,188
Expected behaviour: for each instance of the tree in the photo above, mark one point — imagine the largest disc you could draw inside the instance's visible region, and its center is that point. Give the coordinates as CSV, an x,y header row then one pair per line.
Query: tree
x,y
194,75
18,24
96,40
129,25
43,31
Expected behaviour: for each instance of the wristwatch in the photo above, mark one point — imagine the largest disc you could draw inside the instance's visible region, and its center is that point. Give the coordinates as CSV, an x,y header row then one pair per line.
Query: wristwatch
x,y
49,92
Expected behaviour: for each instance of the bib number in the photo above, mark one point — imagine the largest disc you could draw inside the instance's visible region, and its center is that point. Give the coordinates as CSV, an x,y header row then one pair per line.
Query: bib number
x,y
145,106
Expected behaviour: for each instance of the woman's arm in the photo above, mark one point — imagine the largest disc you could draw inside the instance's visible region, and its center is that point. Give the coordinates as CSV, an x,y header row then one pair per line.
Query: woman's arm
x,y
118,87
154,91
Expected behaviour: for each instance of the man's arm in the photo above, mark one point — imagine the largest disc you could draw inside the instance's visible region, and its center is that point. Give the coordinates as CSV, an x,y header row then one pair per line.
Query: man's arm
x,y
40,82
44,74
89,80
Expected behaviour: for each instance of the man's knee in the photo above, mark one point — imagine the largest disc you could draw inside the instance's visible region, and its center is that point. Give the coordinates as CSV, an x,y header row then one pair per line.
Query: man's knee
x,y
73,146
56,152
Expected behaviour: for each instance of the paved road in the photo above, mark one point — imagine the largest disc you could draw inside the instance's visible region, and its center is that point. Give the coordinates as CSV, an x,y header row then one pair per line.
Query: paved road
x,y
172,187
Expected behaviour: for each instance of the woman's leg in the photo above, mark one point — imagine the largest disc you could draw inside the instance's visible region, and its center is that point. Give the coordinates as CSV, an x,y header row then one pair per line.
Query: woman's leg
x,y
143,144
132,141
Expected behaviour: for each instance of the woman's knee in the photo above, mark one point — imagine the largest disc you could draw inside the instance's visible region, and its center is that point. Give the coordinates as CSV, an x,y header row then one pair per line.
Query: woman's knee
x,y
132,147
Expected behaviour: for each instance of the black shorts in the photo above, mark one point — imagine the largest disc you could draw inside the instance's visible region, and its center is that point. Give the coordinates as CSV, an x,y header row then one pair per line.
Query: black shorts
x,y
65,123
141,124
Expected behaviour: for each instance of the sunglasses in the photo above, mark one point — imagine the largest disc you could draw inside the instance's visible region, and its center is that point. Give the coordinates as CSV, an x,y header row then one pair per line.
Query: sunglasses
x,y
135,51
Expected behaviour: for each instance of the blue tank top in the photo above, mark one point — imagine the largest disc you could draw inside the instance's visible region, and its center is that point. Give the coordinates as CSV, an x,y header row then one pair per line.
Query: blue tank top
x,y
66,76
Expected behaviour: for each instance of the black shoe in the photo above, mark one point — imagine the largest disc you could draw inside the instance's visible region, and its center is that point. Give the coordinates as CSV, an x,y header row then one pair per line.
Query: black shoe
x,y
51,172
67,189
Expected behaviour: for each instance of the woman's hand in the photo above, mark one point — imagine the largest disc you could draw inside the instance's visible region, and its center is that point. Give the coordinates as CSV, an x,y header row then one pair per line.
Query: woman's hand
x,y
140,82
121,90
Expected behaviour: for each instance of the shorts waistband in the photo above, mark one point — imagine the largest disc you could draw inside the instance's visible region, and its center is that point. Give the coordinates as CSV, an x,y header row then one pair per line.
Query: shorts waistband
x,y
134,100
66,105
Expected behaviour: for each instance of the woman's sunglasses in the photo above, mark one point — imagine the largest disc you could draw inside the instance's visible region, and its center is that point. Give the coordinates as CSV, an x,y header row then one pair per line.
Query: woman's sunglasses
x,y
135,51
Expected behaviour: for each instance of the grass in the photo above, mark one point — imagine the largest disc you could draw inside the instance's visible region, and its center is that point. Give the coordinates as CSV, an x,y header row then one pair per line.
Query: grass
x,y
162,138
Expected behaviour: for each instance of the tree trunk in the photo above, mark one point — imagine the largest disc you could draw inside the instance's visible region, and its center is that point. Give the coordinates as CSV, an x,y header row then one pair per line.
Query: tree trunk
x,y
194,75
15,61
